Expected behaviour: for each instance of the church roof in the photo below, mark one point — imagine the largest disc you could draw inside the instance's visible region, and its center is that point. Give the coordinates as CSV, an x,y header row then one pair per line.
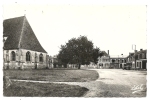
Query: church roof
x,y
20,35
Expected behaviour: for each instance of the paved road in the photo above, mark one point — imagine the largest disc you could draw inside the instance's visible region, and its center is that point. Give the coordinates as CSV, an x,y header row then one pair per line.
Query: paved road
x,y
115,83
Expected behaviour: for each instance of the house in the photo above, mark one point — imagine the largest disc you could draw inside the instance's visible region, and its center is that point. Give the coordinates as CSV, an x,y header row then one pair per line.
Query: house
x,y
55,61
140,59
92,65
117,62
137,59
107,61
51,62
131,60
104,60
22,49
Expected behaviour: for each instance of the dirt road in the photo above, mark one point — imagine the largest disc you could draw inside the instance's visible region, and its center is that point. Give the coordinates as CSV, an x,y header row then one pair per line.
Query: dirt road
x,y
112,83
116,83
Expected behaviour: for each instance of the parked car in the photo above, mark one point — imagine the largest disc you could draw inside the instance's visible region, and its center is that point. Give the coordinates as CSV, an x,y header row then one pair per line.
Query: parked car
x,y
126,66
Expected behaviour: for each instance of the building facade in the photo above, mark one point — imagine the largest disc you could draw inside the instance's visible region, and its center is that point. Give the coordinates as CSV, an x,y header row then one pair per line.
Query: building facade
x,y
141,59
104,60
22,49
131,60
117,62
138,59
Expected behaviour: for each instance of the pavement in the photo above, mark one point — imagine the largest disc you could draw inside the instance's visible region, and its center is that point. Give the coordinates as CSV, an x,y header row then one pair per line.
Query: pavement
x,y
113,83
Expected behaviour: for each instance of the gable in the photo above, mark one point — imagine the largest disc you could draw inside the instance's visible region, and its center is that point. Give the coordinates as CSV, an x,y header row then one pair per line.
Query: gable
x,y
20,35
29,40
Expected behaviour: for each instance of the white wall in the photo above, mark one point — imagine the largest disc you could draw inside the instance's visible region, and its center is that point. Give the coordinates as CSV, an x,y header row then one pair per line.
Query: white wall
x,y
22,55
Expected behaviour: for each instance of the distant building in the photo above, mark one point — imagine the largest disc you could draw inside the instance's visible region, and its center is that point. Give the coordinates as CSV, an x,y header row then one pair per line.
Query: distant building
x,y
73,66
51,62
117,62
54,61
140,59
104,60
22,49
131,60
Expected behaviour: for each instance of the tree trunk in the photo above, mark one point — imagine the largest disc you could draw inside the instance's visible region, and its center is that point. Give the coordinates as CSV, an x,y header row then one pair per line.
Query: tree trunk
x,y
79,66
65,65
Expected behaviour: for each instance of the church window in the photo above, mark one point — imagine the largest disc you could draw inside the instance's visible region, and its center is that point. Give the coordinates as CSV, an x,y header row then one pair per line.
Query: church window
x,y
28,56
41,57
13,56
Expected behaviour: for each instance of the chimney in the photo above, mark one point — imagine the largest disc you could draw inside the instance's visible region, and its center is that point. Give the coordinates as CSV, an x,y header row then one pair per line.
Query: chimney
x,y
108,52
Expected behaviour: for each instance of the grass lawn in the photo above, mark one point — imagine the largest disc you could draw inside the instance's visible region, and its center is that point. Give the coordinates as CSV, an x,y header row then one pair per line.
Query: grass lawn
x,y
53,75
43,90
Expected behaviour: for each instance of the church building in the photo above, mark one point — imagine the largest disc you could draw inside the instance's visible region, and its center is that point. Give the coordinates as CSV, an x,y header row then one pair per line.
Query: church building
x,y
21,49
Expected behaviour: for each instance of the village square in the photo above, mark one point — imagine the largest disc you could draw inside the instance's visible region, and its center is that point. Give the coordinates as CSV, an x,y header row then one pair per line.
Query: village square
x,y
79,69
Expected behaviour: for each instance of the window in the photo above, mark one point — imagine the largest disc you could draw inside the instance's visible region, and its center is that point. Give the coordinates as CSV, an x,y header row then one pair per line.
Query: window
x,y
4,39
28,56
113,61
13,56
124,61
137,64
41,57
140,56
143,55
136,56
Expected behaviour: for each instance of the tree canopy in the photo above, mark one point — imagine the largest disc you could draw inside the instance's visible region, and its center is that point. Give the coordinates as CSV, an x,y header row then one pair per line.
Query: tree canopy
x,y
78,51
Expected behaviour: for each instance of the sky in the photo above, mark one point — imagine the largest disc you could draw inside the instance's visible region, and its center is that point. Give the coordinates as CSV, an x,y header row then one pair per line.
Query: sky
x,y
109,27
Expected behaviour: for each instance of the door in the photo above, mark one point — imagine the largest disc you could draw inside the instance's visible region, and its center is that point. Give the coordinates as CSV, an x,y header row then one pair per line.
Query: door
x,y
144,64
120,65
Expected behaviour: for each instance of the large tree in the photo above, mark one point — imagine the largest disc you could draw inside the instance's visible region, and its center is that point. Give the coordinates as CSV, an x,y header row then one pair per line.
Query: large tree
x,y
77,51
96,54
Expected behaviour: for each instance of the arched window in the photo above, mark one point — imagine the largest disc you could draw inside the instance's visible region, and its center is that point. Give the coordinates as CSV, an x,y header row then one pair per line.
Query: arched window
x,y
28,56
41,57
13,56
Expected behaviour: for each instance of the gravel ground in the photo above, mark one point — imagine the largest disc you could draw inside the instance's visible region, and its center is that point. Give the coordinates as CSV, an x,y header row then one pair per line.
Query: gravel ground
x,y
115,83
